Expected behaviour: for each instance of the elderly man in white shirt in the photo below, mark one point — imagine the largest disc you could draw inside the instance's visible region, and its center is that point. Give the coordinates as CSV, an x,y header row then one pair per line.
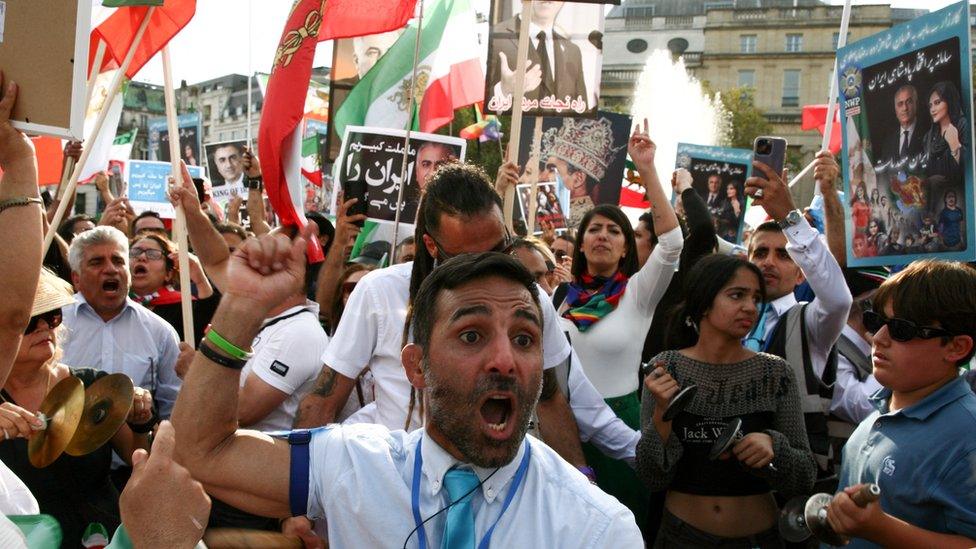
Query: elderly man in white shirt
x,y
110,332
477,361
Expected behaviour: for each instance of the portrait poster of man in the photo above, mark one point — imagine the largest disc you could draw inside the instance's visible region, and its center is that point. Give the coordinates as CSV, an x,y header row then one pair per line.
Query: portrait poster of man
x,y
375,156
225,166
548,208
585,157
562,72
189,129
908,151
352,58
718,176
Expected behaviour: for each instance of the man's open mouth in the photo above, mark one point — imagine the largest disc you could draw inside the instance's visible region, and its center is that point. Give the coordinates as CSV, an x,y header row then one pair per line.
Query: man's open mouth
x,y
496,411
111,285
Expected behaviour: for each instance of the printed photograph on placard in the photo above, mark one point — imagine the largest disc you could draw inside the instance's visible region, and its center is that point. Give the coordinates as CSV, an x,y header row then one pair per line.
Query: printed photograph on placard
x,y
190,135
147,186
373,157
548,208
718,176
585,157
225,166
562,71
908,149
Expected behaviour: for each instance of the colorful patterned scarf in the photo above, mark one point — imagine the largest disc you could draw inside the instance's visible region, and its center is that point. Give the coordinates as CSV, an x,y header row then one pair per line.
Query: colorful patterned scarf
x,y
593,298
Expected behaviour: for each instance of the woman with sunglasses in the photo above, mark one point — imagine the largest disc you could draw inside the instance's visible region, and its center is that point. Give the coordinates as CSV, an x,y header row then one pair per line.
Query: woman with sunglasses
x,y
76,491
724,502
155,280
609,306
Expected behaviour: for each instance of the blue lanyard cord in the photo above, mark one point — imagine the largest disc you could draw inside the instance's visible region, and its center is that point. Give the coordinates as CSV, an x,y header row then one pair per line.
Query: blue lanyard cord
x,y
415,498
760,329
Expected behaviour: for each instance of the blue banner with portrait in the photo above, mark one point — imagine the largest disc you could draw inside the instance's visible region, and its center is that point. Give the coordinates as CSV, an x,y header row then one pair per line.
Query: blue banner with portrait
x,y
190,130
718,176
906,114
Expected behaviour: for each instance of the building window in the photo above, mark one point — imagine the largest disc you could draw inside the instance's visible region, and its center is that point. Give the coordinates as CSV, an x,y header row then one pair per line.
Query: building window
x,y
640,12
791,88
718,4
747,43
837,39
637,46
206,112
794,43
747,78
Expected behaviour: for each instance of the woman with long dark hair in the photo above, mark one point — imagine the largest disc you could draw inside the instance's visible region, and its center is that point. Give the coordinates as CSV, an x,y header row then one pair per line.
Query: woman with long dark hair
x,y
727,501
947,142
609,306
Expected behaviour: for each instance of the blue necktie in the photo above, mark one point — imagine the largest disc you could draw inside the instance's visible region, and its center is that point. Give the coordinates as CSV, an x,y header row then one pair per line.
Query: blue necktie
x,y
754,341
459,530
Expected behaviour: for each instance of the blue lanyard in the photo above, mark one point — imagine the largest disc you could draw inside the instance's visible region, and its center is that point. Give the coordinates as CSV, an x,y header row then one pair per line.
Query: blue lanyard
x,y
760,328
415,495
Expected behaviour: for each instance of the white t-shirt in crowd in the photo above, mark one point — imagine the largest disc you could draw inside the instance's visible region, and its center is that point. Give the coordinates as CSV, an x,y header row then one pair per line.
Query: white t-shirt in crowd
x,y
15,497
287,356
371,333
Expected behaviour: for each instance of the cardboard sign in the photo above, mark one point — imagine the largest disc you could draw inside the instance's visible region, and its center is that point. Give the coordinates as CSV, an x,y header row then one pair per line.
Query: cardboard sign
x,y
906,112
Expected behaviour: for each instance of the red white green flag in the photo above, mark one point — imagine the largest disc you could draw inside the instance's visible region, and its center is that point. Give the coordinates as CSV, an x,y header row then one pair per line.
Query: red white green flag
x,y
119,30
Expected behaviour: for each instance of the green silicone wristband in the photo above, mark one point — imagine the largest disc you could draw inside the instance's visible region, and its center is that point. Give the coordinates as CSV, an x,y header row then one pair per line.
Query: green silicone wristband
x,y
227,346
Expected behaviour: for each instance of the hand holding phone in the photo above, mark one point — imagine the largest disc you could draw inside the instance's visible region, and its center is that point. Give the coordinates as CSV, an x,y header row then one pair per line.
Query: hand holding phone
x,y
355,189
766,186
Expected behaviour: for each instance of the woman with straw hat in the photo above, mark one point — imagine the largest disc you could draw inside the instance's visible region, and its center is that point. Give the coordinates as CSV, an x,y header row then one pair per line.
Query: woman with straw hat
x,y
77,491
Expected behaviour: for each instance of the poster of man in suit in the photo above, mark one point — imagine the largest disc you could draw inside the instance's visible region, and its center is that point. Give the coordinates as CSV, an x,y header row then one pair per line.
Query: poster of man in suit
x,y
562,71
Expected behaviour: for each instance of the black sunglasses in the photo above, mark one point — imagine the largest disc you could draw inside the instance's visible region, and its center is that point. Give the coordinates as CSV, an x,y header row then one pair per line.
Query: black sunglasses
x,y
505,246
52,318
901,329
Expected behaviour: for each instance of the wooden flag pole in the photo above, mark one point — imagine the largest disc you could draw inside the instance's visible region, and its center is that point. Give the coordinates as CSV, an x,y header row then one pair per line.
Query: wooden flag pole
x,y
179,226
250,72
99,122
534,162
517,97
406,140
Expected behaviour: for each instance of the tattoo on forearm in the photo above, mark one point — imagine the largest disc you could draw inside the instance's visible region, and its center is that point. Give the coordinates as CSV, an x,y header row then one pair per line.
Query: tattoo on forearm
x,y
325,383
549,384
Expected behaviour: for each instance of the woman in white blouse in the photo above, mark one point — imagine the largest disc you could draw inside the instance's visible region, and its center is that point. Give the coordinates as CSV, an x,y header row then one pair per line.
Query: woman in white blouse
x,y
609,305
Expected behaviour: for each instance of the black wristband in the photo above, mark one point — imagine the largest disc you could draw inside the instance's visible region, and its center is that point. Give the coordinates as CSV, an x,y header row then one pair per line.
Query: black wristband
x,y
146,427
255,183
212,355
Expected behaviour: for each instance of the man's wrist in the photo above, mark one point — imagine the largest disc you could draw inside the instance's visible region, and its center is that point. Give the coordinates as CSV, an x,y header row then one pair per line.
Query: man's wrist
x,y
238,319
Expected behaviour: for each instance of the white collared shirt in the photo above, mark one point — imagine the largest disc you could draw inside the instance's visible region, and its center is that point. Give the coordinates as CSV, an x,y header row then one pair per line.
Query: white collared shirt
x,y
360,479
137,342
370,333
852,398
287,356
827,314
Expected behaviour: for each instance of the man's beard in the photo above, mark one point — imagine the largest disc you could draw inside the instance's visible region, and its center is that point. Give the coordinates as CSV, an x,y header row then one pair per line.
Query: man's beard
x,y
456,415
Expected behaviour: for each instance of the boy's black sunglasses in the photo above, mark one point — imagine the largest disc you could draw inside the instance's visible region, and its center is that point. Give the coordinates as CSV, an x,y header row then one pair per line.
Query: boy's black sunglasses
x,y
901,329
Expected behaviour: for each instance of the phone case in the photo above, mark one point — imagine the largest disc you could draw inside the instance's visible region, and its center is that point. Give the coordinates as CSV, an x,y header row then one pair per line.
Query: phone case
x,y
355,189
775,158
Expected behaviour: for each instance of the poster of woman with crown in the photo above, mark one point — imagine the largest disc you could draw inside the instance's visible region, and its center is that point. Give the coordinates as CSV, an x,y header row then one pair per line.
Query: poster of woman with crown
x,y
585,157
908,152
718,176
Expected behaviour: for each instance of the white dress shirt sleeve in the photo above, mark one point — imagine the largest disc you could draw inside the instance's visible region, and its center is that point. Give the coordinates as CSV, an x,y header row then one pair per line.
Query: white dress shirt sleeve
x,y
597,423
169,383
354,342
852,398
652,280
826,316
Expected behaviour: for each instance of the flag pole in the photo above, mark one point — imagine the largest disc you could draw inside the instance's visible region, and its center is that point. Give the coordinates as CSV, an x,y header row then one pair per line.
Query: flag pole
x,y
534,162
69,164
406,140
250,70
517,97
845,20
179,226
99,122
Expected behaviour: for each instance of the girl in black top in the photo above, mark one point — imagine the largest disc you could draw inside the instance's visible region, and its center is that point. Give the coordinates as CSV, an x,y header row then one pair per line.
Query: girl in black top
x,y
728,501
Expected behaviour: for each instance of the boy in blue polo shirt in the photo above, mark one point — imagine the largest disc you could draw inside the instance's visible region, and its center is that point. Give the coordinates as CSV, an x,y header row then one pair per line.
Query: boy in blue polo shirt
x,y
919,447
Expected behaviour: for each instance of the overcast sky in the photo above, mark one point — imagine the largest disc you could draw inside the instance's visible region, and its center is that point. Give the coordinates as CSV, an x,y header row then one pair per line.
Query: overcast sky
x,y
217,40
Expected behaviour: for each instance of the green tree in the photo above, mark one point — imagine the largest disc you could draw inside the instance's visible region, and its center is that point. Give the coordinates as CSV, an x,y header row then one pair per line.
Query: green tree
x,y
747,121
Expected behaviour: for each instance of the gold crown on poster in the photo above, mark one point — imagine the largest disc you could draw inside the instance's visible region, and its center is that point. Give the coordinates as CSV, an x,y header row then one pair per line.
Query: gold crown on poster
x,y
587,144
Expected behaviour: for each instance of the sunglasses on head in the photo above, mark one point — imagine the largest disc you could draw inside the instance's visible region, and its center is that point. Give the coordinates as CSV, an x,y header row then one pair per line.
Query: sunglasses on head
x,y
901,329
52,318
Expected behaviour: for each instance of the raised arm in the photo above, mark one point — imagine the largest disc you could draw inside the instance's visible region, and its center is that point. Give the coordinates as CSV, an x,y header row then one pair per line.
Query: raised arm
x,y
255,197
20,225
211,248
826,172
346,232
642,151
247,469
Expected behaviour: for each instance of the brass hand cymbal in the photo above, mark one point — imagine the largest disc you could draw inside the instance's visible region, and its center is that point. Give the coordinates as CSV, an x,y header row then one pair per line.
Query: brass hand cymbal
x,y
61,409
107,403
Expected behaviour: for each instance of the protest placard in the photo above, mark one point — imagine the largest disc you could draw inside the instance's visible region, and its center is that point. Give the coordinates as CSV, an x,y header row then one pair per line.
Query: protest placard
x,y
906,111
225,166
147,184
375,155
189,128
718,176
548,207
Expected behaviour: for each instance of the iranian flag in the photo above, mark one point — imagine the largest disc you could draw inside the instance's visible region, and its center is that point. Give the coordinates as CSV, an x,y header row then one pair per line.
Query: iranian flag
x,y
101,145
449,63
122,146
